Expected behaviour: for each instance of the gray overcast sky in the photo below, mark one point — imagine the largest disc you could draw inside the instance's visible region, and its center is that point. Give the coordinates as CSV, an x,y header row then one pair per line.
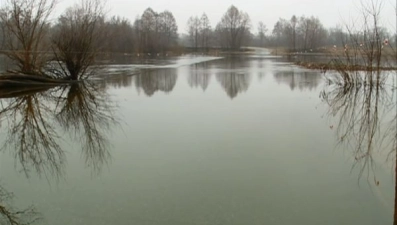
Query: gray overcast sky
x,y
330,12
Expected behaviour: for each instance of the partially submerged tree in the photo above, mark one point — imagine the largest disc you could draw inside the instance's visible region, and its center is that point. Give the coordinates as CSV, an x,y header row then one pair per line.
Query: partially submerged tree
x,y
77,38
365,43
366,47
25,26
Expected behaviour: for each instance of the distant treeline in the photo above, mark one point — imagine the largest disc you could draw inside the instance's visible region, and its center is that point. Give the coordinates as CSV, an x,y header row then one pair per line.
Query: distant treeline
x,y
157,33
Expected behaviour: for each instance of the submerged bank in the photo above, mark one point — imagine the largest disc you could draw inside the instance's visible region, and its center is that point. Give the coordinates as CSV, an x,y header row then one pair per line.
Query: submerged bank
x,y
335,66
14,85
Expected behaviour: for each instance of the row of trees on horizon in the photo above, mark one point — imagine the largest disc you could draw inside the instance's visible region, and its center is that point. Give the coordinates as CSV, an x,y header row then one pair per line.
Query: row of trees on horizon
x,y
151,33
157,32
77,36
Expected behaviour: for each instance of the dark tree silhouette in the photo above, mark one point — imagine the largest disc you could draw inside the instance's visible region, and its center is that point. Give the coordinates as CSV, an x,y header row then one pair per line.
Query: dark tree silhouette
x,y
77,38
25,26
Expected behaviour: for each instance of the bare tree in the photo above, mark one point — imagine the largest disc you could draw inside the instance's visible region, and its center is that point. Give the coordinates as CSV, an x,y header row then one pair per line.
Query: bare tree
x,y
262,32
77,37
372,39
25,27
279,30
194,25
120,36
234,27
303,33
205,31
199,30
138,33
147,30
294,22
365,46
156,32
311,32
336,36
168,30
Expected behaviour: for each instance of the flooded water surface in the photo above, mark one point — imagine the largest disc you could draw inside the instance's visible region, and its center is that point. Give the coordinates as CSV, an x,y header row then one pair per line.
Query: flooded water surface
x,y
202,140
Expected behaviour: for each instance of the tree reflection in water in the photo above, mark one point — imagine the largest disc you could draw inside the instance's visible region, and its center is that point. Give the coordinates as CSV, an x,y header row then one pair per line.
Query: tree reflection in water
x,y
233,83
364,115
35,121
10,215
31,133
86,113
366,122
298,79
152,81
234,76
199,76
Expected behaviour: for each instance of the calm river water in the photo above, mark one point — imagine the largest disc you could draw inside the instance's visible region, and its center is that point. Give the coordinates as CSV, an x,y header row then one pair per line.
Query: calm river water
x,y
200,140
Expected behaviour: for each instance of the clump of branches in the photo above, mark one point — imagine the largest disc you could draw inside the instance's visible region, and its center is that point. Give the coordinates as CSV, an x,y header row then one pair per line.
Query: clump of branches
x,y
74,41
350,78
25,27
364,48
77,38
234,28
11,216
